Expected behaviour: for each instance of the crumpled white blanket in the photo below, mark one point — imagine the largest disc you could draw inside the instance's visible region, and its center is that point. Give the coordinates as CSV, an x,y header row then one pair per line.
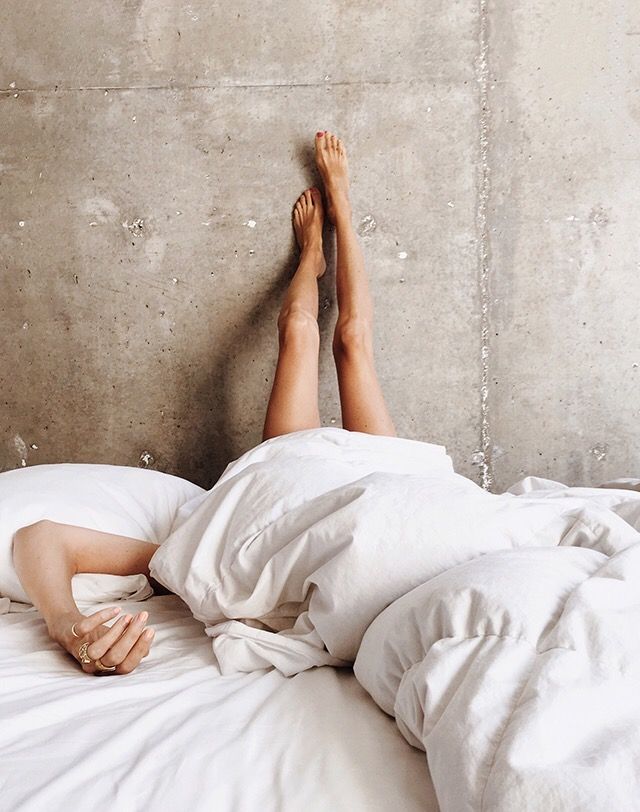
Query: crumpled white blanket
x,y
306,538
519,672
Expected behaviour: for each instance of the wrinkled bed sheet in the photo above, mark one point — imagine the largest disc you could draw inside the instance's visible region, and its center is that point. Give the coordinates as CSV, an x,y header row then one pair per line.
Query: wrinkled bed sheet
x,y
501,630
176,735
519,672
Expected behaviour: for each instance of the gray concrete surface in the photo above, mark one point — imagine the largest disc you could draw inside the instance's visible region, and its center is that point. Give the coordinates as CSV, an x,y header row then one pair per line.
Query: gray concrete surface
x,y
151,153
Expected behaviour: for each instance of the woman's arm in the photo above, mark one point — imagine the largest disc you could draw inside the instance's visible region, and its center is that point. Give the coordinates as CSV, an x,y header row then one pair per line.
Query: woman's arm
x,y
47,555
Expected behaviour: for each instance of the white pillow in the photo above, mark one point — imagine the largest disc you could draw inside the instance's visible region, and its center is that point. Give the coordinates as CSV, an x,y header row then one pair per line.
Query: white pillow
x,y
132,502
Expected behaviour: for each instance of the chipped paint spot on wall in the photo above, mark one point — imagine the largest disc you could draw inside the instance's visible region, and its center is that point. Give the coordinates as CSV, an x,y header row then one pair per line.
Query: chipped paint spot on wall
x,y
599,451
135,227
599,216
18,446
367,225
146,459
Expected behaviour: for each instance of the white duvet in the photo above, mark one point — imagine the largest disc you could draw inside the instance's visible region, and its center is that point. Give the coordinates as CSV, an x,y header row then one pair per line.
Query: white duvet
x,y
502,631
519,672
305,539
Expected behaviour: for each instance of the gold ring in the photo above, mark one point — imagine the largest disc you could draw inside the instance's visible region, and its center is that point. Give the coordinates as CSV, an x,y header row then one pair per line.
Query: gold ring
x,y
100,667
82,654
73,630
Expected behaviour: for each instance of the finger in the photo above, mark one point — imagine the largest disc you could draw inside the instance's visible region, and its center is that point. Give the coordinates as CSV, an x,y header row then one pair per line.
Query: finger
x,y
88,624
137,653
121,648
104,643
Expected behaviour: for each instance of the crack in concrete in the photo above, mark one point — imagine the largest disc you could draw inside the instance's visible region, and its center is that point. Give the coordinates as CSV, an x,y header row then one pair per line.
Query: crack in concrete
x,y
484,190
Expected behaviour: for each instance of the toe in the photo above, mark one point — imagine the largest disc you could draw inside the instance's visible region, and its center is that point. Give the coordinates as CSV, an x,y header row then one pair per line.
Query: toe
x,y
334,142
307,197
318,203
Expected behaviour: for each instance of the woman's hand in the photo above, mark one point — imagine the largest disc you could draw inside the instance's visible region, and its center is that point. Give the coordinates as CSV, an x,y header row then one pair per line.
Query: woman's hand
x,y
47,555
123,645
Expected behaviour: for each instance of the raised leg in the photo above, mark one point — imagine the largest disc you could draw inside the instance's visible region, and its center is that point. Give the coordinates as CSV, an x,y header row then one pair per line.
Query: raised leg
x,y
293,404
362,402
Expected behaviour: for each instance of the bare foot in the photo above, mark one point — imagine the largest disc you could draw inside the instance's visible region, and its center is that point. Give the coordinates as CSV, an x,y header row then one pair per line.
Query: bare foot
x,y
308,217
331,160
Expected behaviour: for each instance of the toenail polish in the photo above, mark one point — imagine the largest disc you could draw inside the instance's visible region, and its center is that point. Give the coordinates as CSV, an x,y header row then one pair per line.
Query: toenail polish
x,y
319,134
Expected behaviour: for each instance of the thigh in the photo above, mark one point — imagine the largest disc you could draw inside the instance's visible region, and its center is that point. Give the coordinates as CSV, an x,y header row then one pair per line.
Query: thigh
x,y
293,404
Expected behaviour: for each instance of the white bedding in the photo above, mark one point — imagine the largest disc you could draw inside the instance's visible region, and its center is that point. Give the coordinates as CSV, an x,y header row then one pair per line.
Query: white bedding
x,y
176,735
308,537
500,630
519,672
116,499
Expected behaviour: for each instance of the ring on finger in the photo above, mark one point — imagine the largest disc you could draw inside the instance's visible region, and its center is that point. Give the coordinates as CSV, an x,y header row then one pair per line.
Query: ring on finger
x,y
73,630
82,654
101,668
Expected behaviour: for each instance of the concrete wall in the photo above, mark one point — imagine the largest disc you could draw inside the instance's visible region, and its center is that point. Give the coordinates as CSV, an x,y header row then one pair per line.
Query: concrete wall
x,y
150,153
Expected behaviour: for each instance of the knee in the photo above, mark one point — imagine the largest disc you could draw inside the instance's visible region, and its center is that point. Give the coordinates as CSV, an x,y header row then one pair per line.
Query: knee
x,y
352,338
298,327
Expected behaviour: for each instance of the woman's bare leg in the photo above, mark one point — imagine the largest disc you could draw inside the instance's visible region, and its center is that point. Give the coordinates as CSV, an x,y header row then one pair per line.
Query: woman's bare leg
x,y
293,404
363,405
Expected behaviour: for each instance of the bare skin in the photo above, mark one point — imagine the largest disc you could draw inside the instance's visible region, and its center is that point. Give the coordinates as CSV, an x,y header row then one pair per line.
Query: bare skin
x,y
293,404
47,555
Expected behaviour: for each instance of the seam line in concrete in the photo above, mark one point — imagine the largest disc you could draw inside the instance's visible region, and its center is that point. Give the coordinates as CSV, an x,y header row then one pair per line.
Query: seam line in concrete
x,y
484,190
220,86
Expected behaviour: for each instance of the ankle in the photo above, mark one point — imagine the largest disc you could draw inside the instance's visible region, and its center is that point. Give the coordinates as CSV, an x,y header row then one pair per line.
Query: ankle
x,y
311,252
342,218
312,244
340,207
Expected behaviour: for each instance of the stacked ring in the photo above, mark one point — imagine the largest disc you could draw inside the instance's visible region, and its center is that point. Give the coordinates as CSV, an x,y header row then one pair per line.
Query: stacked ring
x,y
84,658
82,654
103,669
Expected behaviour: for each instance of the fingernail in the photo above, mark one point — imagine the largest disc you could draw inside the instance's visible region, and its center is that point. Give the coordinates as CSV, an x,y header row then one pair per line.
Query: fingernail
x,y
115,609
148,634
319,134
144,616
127,619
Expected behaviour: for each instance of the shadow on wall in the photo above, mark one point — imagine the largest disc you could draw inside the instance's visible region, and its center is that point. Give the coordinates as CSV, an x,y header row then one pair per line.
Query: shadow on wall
x,y
235,424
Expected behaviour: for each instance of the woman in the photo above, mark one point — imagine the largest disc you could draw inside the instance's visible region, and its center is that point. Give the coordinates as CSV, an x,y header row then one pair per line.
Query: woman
x,y
47,555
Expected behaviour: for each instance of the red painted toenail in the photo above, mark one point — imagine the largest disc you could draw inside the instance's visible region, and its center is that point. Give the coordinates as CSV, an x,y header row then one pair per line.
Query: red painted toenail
x,y
319,135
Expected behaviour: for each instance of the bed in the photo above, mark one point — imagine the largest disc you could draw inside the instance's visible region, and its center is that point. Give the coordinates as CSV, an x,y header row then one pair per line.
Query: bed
x,y
176,734
353,626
